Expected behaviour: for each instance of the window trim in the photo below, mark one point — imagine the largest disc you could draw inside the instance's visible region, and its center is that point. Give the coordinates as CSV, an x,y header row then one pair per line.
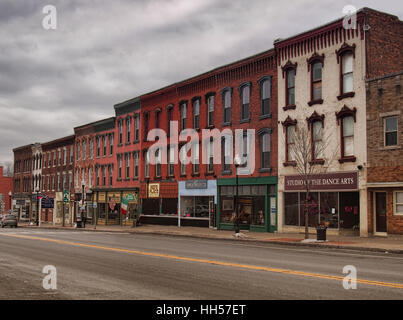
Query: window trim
x,y
345,48
345,112
289,66
223,92
261,133
395,213
287,123
194,101
207,98
240,88
384,131
315,58
260,82
315,117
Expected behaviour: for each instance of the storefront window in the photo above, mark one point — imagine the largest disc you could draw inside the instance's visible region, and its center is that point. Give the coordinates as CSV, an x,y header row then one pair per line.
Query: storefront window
x,y
227,208
258,216
195,206
311,206
329,209
102,210
291,211
349,210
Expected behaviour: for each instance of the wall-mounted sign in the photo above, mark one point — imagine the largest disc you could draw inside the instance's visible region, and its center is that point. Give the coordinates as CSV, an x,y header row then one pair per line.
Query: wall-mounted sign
x,y
101,197
324,181
196,184
154,190
131,197
47,203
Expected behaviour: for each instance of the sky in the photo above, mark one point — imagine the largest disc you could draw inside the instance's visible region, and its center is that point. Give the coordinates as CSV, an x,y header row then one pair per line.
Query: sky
x,y
104,52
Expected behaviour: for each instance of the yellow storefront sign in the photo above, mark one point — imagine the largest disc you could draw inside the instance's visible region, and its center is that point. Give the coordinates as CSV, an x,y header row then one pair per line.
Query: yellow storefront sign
x,y
154,190
101,197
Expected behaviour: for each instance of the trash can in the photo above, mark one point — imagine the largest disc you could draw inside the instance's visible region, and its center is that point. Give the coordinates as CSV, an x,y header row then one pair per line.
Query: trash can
x,y
321,233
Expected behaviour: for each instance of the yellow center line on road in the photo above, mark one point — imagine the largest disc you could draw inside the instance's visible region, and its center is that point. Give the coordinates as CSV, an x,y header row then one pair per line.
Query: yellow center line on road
x,y
206,261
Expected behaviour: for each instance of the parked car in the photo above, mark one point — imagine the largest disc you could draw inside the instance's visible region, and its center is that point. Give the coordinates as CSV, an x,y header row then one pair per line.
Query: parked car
x,y
9,220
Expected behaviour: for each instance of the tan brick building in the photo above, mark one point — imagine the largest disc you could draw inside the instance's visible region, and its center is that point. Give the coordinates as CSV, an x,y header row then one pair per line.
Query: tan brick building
x,y
385,154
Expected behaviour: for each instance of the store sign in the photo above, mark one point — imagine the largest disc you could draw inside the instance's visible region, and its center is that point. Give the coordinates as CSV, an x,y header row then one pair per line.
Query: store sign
x,y
47,203
101,197
196,184
324,181
130,197
154,190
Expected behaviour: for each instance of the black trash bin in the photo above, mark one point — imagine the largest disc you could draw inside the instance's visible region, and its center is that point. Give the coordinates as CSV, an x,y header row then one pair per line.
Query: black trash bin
x,y
321,233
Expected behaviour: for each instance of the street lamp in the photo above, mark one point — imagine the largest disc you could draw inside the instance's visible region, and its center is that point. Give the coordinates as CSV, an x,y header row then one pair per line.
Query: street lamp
x,y
37,206
9,199
237,162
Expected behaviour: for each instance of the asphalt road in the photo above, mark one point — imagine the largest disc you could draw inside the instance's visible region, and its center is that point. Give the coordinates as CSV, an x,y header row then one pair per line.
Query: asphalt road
x,y
102,265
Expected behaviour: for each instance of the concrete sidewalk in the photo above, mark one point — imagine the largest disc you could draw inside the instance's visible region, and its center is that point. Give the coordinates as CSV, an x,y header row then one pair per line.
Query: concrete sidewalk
x,y
390,244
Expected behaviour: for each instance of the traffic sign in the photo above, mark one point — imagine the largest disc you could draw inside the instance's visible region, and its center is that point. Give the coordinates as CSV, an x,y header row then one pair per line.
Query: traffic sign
x,y
66,196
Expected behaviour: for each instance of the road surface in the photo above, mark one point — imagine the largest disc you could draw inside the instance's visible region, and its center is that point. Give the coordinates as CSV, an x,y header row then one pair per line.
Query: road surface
x,y
103,265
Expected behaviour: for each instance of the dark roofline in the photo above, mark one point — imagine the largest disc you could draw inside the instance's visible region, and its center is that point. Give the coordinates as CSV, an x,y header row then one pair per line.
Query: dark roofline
x,y
59,140
363,10
93,123
201,75
23,147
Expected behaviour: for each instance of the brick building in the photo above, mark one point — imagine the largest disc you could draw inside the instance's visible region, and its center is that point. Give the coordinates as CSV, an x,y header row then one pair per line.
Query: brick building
x,y
241,95
6,192
321,79
57,175
22,194
385,154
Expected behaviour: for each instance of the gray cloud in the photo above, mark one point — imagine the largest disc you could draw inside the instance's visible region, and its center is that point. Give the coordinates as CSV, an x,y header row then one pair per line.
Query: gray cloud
x,y
104,52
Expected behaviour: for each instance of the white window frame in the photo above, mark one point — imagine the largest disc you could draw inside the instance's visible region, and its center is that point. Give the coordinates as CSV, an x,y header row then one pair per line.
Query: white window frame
x,y
395,204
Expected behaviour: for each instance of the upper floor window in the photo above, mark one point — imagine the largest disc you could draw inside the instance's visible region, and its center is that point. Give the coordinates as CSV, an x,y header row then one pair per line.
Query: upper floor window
x,y
146,165
290,132
315,65
157,118
171,161
195,160
210,166
137,127
346,119
169,119
347,72
390,131
182,156
226,147
317,140
245,101
128,128
146,119
196,114
104,175
78,151
136,164
110,168
89,177
119,166
265,95
158,163
227,104
71,154
98,141
265,150
54,156
127,165
183,109
64,156
120,128
110,143
104,145
345,57
91,149
84,149
210,110
59,153
290,94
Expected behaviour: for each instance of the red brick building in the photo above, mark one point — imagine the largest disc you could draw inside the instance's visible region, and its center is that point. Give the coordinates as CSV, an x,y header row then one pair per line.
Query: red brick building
x,y
241,95
57,175
6,192
22,193
385,154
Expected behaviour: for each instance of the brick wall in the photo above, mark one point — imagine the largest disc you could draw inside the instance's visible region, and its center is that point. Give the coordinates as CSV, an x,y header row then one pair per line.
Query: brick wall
x,y
6,185
384,42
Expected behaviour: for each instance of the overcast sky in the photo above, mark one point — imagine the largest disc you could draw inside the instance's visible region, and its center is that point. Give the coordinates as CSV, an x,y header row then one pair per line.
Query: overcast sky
x,y
104,52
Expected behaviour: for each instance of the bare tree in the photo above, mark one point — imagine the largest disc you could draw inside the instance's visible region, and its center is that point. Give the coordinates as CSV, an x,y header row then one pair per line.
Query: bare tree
x,y
312,153
8,168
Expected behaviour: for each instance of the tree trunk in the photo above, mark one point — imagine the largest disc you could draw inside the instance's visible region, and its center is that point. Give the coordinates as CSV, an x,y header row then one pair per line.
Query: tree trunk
x,y
306,216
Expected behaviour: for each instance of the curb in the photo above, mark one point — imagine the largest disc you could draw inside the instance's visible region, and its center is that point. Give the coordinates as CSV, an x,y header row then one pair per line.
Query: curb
x,y
198,236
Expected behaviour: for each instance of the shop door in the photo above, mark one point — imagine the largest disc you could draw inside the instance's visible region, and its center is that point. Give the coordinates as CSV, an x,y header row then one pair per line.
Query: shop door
x,y
380,212
212,214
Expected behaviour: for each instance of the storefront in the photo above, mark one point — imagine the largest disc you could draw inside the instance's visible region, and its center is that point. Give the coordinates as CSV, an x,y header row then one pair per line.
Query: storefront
x,y
159,203
22,208
256,202
333,199
107,206
197,202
